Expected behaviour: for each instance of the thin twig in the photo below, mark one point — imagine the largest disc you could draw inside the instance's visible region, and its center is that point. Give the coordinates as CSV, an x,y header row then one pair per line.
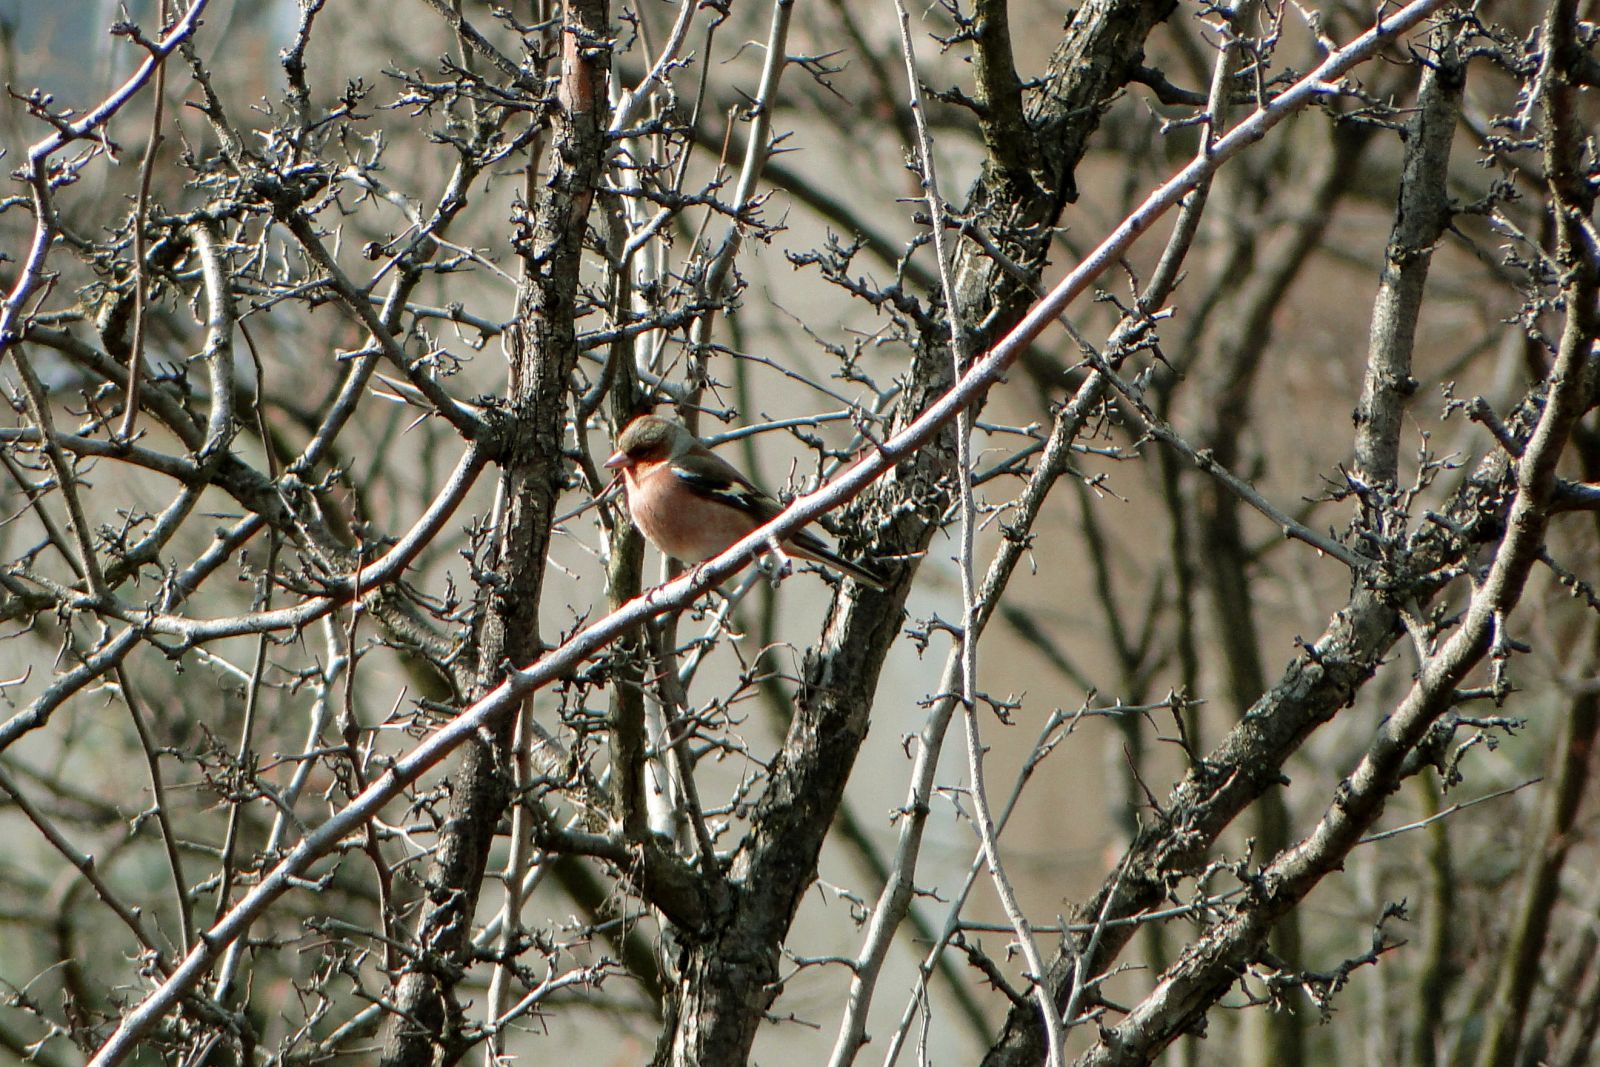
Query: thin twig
x,y
982,814
140,282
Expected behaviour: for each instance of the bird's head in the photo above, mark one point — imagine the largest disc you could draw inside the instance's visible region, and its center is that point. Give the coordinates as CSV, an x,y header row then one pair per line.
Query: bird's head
x,y
648,439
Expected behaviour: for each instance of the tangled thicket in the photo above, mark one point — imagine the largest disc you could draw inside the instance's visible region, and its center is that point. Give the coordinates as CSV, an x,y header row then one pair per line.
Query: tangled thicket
x,y
341,723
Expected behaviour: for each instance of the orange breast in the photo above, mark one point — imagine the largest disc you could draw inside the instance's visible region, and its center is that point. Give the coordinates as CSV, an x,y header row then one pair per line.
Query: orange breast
x,y
679,522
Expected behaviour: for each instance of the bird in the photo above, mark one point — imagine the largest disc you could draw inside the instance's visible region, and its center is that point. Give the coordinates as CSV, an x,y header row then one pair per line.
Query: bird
x,y
692,504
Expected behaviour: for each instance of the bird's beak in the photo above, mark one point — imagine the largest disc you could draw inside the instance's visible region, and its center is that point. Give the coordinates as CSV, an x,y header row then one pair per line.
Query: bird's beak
x,y
618,459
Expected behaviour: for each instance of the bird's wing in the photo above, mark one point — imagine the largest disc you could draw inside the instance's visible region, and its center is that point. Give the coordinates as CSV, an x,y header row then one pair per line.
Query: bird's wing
x,y
715,479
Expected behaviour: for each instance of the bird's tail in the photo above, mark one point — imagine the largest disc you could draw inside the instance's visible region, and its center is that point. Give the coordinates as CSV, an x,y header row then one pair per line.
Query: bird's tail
x,y
807,545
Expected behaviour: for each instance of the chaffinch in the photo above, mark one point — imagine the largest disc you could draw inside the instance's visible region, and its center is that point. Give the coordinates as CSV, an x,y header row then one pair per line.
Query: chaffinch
x,y
692,504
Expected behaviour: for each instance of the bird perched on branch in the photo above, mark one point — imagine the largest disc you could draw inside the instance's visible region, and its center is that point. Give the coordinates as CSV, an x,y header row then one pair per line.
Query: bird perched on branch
x,y
692,504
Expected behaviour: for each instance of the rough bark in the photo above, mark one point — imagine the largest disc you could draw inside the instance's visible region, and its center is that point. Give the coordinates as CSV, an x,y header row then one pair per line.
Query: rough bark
x,y
426,1028
728,979
1320,681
